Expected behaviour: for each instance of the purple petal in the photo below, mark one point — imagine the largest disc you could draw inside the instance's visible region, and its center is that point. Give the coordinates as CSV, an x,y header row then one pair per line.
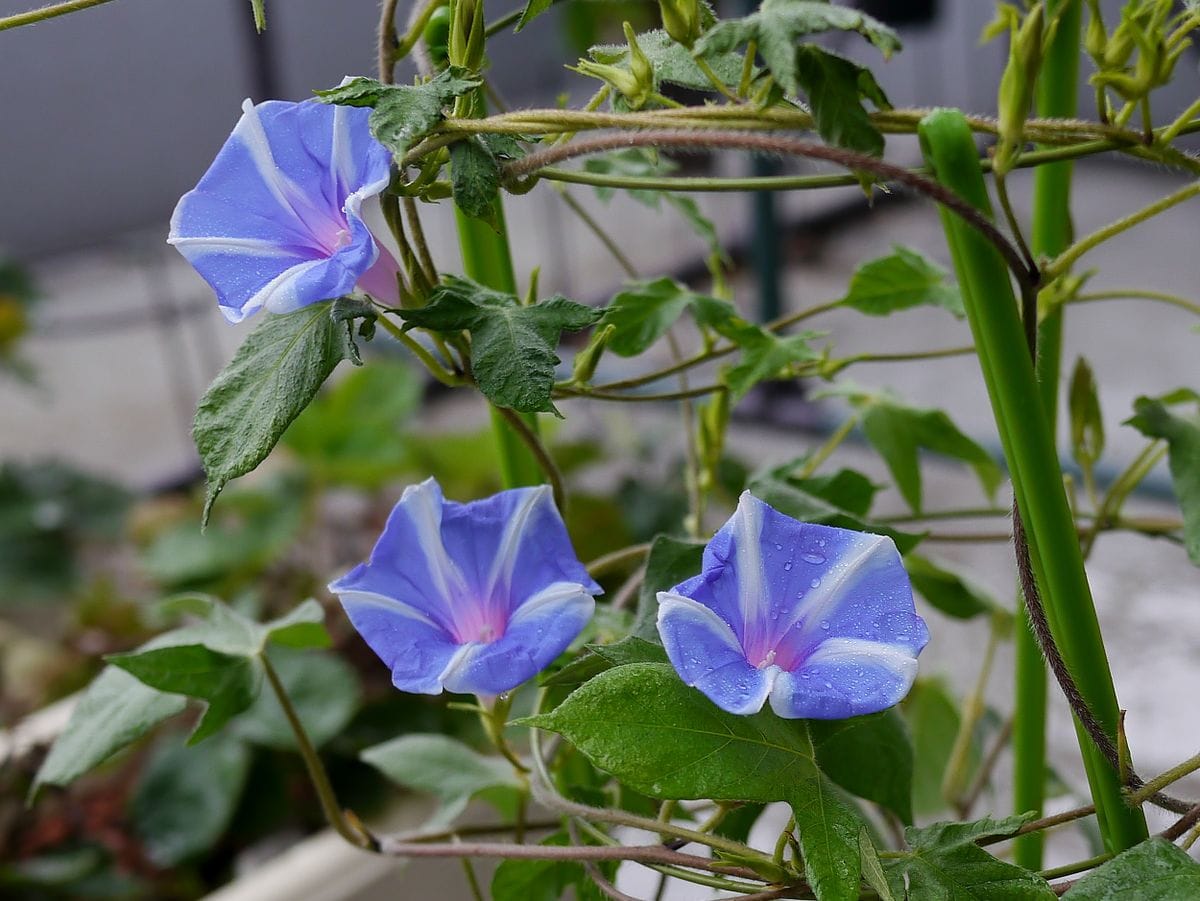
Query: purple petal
x,y
276,222
415,649
845,677
541,629
707,655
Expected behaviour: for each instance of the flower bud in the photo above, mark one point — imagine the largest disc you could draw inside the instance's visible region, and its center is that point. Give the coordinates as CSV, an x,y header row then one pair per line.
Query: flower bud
x,y
681,19
588,359
1096,40
1017,86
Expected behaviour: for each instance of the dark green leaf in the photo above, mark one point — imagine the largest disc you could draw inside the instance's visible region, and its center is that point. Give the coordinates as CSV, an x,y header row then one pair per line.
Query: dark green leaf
x,y
847,488
227,683
1182,435
271,379
835,87
671,561
1155,870
1087,425
787,496
656,735
945,835
949,592
475,179
302,627
643,312
829,827
448,769
542,880
872,869
512,346
671,61
115,711
403,114
599,658
899,281
869,756
185,797
322,688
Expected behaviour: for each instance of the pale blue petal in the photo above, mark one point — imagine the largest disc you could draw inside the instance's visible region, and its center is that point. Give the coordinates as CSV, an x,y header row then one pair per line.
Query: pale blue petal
x,y
511,546
845,677
707,655
415,649
539,631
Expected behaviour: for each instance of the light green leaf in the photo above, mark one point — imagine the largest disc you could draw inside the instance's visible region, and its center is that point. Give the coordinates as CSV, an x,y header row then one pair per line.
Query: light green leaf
x,y
767,356
872,870
643,312
532,10
185,797
836,87
1182,434
403,114
475,180
512,346
1155,870
953,594
900,281
869,756
829,833
114,711
671,61
227,683
271,379
447,769
322,688
302,627
944,835
544,880
1087,425
671,561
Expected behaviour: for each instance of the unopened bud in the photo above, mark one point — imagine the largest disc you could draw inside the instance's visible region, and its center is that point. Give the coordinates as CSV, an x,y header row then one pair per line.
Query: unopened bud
x,y
588,359
1096,39
681,19
1017,86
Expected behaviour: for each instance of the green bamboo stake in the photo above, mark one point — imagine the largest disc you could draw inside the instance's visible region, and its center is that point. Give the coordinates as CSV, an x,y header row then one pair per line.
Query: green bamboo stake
x,y
1032,458
1057,89
486,255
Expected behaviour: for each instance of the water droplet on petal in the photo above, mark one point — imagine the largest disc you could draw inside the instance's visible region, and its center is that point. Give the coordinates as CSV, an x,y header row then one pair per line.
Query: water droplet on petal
x,y
814,559
815,583
829,685
779,547
787,567
825,625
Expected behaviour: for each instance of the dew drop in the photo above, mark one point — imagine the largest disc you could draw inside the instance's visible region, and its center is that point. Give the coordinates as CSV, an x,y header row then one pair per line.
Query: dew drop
x,y
779,547
815,583
787,567
829,685
814,559
825,625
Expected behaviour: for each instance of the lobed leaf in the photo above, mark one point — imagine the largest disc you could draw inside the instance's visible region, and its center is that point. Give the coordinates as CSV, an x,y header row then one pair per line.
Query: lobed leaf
x,y
869,756
900,281
1154,870
1154,420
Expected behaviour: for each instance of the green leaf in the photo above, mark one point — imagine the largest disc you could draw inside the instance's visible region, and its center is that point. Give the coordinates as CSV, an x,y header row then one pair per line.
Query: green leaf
x,y
898,431
869,756
403,114
949,592
271,379
1087,425
1155,870
872,870
114,711
835,87
671,61
302,627
767,356
656,735
542,880
532,10
447,769
258,8
228,683
945,864
900,281
185,797
790,496
512,346
671,561
475,180
599,658
1182,434
643,312
322,688
829,829
659,737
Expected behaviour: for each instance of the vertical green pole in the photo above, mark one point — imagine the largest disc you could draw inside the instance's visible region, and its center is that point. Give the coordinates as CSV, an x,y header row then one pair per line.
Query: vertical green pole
x,y
486,255
1057,91
1029,449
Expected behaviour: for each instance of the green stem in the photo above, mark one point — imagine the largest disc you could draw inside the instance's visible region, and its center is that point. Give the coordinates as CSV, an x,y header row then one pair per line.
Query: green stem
x,y
359,837
534,445
47,12
472,879
1174,774
954,780
1063,262
813,463
1057,91
1053,546
1078,867
619,559
720,86
1138,294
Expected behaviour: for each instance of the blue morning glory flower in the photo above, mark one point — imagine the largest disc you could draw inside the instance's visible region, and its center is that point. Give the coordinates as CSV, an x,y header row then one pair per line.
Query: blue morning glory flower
x,y
818,620
474,598
276,222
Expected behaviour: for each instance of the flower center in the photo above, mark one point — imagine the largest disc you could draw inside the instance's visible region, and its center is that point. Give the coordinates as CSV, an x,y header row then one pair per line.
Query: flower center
x,y
768,660
341,239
